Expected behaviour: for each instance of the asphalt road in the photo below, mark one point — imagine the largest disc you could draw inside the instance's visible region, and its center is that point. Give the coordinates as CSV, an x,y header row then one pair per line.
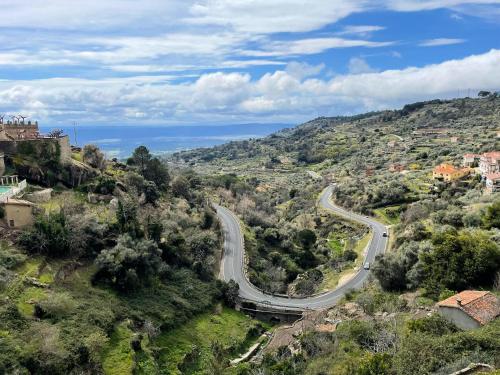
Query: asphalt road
x,y
233,265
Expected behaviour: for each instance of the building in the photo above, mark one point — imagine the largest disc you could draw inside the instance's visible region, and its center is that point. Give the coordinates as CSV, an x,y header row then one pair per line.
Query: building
x,y
17,213
14,130
470,309
17,135
489,163
492,182
448,172
471,160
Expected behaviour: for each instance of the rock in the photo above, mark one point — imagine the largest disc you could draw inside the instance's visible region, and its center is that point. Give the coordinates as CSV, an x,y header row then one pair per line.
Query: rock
x,y
35,282
92,198
113,204
41,196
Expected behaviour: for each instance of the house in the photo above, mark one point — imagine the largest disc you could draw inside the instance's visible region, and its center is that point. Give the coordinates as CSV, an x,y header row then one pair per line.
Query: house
x,y
448,172
454,139
492,182
489,162
18,213
471,160
470,309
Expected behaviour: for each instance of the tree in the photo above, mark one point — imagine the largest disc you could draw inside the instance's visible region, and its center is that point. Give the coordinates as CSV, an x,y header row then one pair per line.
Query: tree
x,y
157,172
126,217
151,192
307,238
390,271
483,94
180,187
140,158
48,236
230,292
491,218
460,260
92,156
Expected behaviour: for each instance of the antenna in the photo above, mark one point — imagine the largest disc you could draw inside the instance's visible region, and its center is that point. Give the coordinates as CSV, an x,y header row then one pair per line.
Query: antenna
x,y
74,131
14,119
1,118
22,118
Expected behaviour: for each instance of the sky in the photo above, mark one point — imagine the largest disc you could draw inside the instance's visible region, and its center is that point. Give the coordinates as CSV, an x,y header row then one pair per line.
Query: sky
x,y
175,62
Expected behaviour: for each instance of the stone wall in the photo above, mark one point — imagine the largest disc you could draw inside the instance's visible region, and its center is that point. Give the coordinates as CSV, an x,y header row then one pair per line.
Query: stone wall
x,y
16,147
2,164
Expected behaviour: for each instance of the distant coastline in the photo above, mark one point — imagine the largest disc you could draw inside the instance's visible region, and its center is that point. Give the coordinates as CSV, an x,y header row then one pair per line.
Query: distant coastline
x,y
120,141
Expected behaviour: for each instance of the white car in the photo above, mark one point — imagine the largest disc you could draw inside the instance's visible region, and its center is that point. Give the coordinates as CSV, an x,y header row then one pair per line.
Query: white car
x,y
366,266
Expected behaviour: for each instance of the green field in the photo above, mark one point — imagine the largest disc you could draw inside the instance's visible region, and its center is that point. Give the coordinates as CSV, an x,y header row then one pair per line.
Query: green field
x,y
190,346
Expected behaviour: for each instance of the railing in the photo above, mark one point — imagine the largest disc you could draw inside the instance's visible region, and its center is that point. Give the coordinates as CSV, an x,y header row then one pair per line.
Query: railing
x,y
15,190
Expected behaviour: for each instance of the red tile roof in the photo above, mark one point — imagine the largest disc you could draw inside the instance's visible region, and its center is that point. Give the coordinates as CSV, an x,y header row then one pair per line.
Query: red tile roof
x,y
445,168
471,155
494,155
481,306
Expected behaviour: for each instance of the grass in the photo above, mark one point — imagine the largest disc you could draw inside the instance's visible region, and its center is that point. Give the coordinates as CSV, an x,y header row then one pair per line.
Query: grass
x,y
77,156
331,278
229,328
388,215
28,298
118,357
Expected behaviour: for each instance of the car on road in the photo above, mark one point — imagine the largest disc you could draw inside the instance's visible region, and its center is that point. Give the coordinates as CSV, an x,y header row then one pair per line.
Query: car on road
x,y
385,234
366,266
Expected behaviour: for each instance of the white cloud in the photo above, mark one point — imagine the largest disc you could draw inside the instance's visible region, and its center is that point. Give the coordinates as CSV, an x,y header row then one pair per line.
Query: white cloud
x,y
360,29
310,46
358,65
441,42
437,80
90,14
264,16
302,70
236,97
418,5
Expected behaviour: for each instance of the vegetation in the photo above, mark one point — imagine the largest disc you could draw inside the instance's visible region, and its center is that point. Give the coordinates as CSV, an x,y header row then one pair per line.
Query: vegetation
x,y
117,276
101,280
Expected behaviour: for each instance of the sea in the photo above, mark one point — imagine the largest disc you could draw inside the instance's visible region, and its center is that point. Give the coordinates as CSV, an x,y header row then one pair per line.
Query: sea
x,y
120,141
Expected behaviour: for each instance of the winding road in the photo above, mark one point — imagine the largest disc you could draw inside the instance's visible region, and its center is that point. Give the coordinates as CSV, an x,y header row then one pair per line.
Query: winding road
x,y
233,260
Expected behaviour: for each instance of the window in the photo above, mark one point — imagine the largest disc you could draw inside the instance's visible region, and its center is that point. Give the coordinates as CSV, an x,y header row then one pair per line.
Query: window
x,y
11,223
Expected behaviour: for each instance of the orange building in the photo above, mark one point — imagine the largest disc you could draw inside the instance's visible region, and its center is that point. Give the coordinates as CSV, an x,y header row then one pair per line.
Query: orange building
x,y
448,172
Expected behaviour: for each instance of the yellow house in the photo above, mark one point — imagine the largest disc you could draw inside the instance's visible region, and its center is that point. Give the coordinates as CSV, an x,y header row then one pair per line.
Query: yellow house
x,y
17,213
448,172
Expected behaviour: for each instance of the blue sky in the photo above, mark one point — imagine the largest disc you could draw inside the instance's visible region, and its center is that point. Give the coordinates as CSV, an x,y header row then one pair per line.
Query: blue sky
x,y
239,61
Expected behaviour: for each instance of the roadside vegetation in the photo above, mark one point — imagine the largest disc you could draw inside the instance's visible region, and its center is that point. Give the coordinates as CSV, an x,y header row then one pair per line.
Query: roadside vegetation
x,y
106,269
444,237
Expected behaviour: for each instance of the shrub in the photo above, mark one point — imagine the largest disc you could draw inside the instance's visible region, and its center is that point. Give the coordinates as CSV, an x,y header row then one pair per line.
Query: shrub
x,y
129,264
48,236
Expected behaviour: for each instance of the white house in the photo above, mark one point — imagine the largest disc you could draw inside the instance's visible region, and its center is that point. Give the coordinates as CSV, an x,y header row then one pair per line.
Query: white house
x,y
470,309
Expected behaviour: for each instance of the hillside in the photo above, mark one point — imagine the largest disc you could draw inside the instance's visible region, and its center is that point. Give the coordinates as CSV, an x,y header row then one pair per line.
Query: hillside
x,y
118,275
444,235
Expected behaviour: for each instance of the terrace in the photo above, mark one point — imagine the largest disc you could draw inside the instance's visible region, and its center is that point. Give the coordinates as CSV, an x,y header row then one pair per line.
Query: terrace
x,y
10,187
